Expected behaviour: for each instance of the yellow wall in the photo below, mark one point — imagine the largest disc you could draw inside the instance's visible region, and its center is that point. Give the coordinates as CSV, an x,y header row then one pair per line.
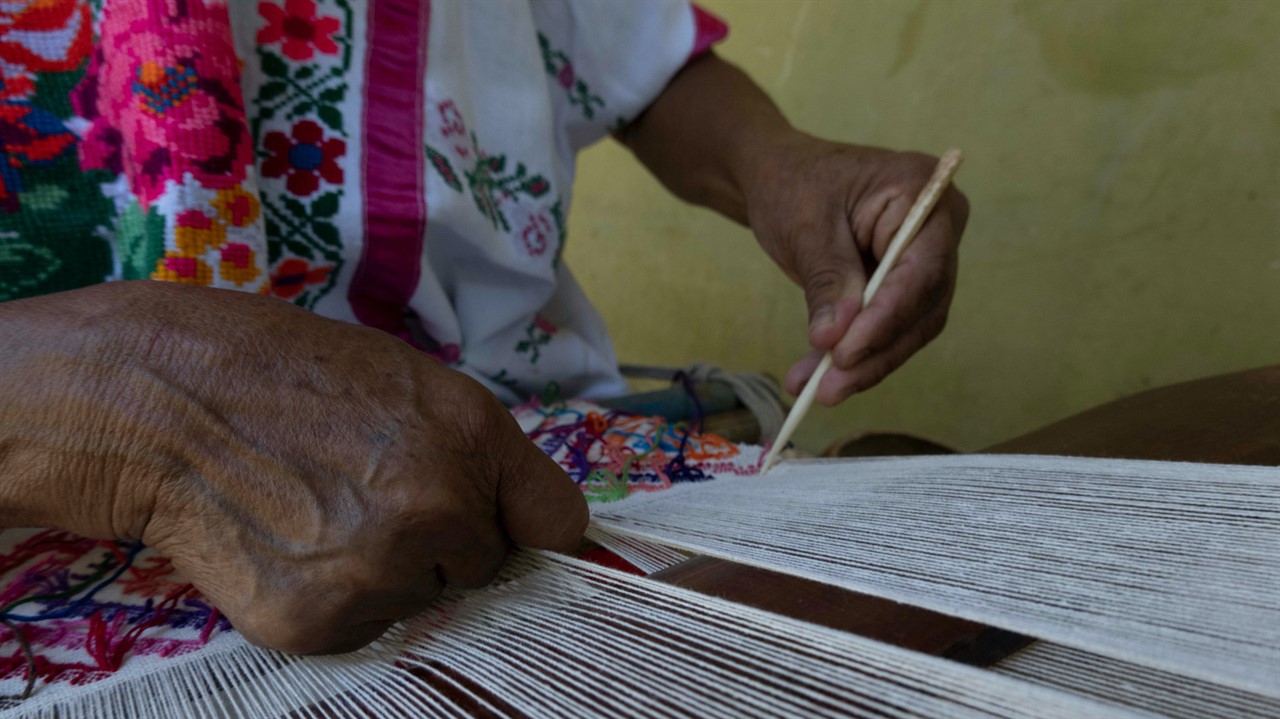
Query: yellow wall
x,y
1124,171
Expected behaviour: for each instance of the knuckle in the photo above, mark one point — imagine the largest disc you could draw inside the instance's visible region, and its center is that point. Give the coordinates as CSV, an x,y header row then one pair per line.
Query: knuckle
x,y
872,376
821,282
848,358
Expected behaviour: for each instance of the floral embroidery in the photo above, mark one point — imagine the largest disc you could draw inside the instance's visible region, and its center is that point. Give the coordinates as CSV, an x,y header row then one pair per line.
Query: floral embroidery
x,y
42,37
238,263
198,233
176,267
557,214
292,276
442,166
304,53
299,28
29,137
560,68
162,99
537,334
305,157
237,207
489,181
44,48
535,234
489,187
160,89
494,187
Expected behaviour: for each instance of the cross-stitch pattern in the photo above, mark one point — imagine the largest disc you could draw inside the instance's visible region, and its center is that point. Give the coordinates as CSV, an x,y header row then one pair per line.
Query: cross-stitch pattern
x,y
51,212
304,51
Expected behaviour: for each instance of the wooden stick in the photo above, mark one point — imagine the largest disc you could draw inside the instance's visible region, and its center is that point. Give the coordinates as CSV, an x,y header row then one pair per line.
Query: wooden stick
x,y
919,212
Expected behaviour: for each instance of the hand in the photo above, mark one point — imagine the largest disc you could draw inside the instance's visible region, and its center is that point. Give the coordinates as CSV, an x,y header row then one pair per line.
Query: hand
x,y
316,480
826,212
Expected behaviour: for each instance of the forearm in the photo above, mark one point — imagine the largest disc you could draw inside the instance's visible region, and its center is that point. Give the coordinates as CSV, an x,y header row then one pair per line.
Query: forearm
x,y
60,441
707,135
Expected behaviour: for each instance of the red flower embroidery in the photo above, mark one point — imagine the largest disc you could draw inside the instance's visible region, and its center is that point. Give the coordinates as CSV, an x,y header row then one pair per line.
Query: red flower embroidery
x,y
50,36
566,77
305,158
450,119
544,324
536,235
299,28
293,276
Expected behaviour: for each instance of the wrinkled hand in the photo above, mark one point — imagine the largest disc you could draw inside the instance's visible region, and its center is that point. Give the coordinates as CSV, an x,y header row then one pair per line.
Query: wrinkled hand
x,y
317,481
826,212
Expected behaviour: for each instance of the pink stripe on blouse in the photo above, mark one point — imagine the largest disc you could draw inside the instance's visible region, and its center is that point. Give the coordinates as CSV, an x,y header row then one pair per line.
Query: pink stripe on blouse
x,y
393,179
707,31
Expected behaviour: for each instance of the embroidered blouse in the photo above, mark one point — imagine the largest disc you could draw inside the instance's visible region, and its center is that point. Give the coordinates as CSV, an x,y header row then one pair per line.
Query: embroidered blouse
x,y
405,164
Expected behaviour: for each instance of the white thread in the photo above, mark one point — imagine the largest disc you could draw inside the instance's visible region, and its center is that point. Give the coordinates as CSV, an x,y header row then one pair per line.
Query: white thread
x,y
1118,682
648,557
1169,565
570,639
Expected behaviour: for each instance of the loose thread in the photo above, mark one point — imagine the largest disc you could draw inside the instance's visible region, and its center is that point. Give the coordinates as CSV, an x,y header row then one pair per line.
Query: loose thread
x,y
11,700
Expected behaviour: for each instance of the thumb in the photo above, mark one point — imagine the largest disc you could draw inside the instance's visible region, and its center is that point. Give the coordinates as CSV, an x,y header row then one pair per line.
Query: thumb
x,y
833,277
538,504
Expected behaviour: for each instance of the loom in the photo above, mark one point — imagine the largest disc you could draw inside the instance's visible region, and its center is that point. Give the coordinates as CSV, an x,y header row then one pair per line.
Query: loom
x,y
1012,583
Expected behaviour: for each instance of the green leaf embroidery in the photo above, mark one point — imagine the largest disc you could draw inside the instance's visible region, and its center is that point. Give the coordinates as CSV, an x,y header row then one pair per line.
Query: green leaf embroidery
x,y
557,216
295,208
272,90
327,233
44,197
301,249
24,266
139,241
332,94
443,166
273,65
304,72
331,116
562,72
325,205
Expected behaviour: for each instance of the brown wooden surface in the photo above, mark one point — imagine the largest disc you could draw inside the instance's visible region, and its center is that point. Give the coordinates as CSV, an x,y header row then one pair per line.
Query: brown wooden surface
x,y
1232,419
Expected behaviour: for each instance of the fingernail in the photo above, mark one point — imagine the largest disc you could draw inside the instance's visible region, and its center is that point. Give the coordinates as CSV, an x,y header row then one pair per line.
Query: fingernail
x,y
822,317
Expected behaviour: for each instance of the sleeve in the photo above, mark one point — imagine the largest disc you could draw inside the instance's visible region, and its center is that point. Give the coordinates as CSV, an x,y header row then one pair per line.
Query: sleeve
x,y
606,61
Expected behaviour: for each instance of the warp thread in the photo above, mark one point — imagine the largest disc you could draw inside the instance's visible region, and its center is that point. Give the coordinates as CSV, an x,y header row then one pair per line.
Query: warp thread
x,y
61,629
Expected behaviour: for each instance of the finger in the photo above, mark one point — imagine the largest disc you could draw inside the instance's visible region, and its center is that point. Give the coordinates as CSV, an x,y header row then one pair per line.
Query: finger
x,y
829,268
477,560
923,279
295,629
838,384
340,640
800,372
538,505
378,590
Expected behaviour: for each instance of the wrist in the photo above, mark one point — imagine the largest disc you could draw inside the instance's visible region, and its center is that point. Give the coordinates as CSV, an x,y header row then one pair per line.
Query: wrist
x,y
764,157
